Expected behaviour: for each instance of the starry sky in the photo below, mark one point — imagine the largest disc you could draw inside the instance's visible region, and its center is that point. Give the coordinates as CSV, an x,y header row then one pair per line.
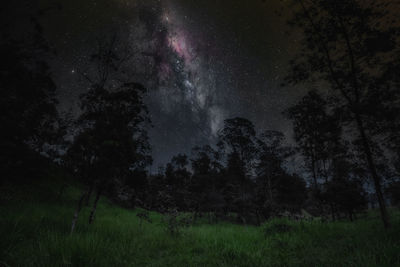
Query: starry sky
x,y
202,61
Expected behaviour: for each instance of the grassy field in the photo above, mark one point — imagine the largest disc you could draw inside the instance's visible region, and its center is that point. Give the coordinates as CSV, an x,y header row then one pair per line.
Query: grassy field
x,y
34,231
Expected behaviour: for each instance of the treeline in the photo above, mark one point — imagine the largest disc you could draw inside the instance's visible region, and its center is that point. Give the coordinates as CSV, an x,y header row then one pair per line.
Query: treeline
x,y
252,176
244,174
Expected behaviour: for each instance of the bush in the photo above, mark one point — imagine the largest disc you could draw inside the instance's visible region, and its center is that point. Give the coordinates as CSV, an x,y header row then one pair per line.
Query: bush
x,y
171,219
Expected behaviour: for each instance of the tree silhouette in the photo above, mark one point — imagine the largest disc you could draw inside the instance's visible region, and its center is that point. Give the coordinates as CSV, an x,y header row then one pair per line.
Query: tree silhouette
x,y
27,98
347,45
206,186
344,191
178,179
312,126
276,190
238,138
111,142
318,135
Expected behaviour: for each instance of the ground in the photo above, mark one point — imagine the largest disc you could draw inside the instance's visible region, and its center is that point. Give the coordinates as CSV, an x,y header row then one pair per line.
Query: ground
x,y
35,231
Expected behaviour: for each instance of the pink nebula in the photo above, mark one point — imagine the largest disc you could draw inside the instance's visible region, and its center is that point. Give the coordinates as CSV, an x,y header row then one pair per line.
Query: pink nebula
x,y
178,42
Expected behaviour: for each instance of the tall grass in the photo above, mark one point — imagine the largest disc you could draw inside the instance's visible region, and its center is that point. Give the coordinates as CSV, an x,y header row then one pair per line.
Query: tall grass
x,y
34,231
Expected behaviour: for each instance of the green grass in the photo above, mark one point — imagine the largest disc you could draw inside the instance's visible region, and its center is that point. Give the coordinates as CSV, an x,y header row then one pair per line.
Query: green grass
x,y
34,231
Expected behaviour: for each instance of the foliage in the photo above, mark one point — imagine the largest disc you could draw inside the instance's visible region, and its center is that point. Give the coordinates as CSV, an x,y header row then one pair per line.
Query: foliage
x,y
28,114
347,48
171,219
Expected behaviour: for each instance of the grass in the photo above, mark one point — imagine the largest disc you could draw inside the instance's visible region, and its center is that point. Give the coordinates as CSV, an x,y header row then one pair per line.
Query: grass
x,y
34,231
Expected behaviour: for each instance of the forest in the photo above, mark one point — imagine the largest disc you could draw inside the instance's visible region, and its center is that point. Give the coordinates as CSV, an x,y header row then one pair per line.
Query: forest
x,y
80,188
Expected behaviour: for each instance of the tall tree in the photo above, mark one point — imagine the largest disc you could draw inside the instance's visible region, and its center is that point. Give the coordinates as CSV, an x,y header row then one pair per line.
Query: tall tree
x,y
352,46
27,95
238,137
206,184
111,139
177,178
276,189
312,129
239,140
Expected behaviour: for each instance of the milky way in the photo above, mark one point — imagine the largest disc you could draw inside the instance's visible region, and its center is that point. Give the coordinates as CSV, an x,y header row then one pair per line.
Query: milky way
x,y
202,61
184,104
198,81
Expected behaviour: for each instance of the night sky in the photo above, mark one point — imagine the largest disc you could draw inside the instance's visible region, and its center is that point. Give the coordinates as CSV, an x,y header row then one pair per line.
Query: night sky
x,y
202,61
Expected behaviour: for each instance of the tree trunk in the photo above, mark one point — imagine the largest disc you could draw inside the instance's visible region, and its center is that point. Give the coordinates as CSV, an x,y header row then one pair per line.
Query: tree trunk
x,y
91,217
372,168
78,209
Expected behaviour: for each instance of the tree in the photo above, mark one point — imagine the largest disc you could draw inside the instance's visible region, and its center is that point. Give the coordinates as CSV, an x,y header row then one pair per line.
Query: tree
x,y
276,190
238,138
312,126
27,98
344,191
290,192
111,141
206,186
177,179
318,134
352,46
